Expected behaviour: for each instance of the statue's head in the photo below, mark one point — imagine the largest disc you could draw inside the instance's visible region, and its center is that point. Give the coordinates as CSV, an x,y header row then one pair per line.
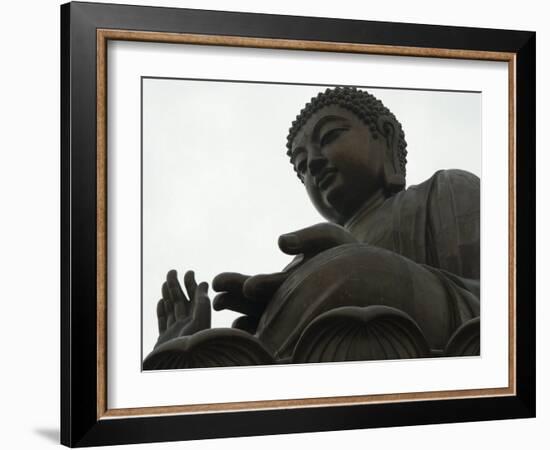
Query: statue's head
x,y
347,147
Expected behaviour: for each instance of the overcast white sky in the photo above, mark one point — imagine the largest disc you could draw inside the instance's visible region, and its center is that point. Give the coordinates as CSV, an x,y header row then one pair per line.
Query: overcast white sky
x,y
218,188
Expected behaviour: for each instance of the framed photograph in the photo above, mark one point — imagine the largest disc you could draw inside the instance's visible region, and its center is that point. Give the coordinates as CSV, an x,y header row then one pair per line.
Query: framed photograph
x,y
278,224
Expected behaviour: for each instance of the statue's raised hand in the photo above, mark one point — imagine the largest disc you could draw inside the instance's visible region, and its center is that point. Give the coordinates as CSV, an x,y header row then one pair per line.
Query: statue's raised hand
x,y
250,295
181,315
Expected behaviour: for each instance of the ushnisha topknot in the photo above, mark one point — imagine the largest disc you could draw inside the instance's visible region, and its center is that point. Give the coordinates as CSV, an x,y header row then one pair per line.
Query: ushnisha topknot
x,y
364,105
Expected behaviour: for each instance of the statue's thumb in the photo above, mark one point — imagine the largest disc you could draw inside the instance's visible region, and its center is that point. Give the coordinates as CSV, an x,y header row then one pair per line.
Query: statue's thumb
x,y
291,244
314,239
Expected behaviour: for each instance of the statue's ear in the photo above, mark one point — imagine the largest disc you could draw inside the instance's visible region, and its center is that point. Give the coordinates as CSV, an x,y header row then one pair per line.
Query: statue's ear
x,y
390,130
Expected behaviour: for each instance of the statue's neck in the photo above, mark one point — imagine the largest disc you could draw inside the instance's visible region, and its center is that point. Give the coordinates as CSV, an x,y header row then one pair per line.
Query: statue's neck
x,y
367,210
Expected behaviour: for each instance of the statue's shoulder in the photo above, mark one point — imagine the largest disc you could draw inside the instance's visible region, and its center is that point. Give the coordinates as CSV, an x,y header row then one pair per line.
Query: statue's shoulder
x,y
460,186
452,176
447,194
448,178
443,184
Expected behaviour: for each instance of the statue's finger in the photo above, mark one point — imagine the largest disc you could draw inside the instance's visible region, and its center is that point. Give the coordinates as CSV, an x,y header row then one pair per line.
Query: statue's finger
x,y
314,239
203,314
181,310
201,309
246,323
172,275
229,281
263,286
176,292
190,283
224,301
234,302
161,316
201,291
165,291
169,311
172,281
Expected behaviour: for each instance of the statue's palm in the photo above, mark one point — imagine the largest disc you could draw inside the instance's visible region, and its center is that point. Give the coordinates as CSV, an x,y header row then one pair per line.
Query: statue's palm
x,y
181,315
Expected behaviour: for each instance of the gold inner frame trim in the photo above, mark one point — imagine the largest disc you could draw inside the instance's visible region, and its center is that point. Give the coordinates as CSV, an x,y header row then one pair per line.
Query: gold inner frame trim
x,y
103,36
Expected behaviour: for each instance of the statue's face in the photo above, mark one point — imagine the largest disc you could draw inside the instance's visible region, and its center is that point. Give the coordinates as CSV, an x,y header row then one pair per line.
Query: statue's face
x,y
341,164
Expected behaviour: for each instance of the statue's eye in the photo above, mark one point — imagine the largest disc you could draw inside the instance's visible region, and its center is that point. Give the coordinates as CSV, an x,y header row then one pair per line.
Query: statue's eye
x,y
331,135
301,166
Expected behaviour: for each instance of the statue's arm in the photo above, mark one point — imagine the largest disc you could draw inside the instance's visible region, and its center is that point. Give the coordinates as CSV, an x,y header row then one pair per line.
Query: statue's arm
x,y
454,223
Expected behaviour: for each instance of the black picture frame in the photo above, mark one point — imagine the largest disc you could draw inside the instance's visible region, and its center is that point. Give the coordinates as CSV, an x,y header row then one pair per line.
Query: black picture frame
x,y
81,422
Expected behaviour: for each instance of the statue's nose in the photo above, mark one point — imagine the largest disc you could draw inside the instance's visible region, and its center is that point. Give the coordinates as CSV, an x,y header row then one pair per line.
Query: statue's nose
x,y
316,164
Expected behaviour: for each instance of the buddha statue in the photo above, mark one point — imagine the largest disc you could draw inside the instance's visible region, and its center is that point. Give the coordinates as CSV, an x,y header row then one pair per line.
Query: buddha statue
x,y
393,273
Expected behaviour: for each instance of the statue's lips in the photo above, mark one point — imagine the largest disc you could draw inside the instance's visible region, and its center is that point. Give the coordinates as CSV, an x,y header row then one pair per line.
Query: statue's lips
x,y
325,178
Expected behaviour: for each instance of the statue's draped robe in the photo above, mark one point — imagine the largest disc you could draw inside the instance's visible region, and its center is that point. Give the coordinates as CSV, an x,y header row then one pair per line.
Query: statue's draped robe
x,y
418,253
426,239
435,223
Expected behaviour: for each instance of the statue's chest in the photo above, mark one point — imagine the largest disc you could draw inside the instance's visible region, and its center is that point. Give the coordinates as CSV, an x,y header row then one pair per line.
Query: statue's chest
x,y
400,230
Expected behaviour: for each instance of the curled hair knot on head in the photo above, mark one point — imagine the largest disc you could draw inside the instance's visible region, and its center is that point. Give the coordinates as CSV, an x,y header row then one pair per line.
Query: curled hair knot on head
x,y
364,105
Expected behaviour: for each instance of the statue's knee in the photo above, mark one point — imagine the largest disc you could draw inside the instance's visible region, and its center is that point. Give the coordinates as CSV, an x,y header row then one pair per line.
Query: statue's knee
x,y
348,275
353,274
377,271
